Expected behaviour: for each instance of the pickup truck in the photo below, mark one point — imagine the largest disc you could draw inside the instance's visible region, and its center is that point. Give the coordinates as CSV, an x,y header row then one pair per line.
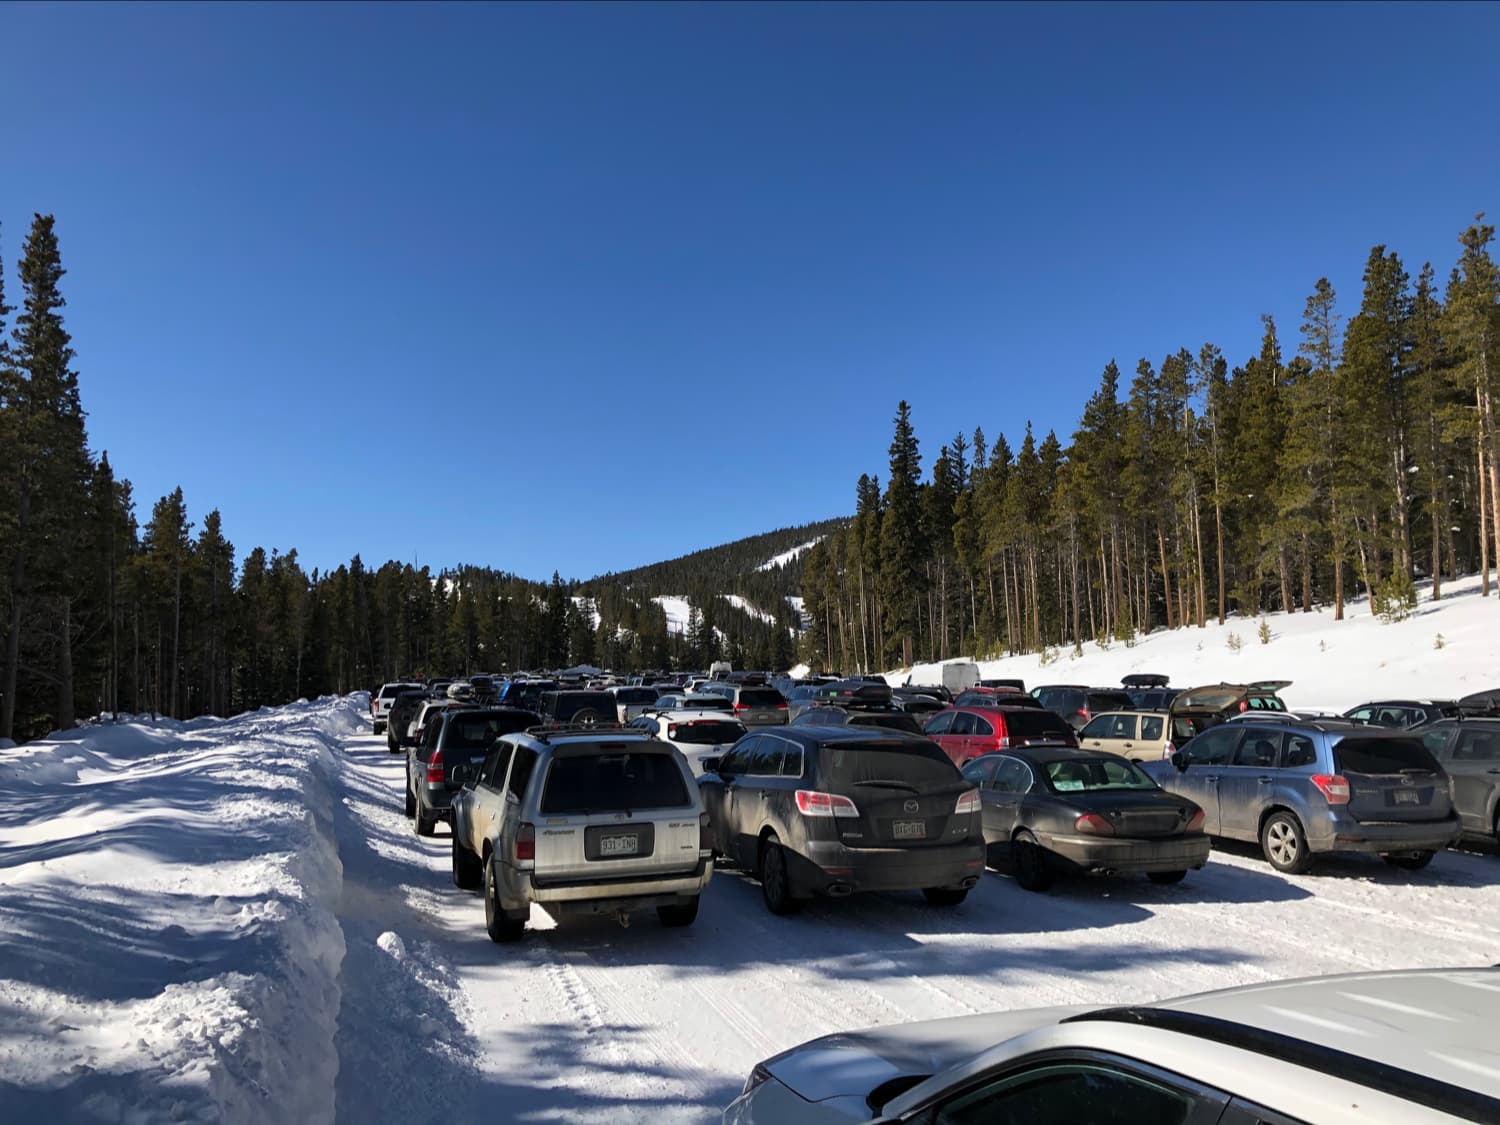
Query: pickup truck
x,y
595,821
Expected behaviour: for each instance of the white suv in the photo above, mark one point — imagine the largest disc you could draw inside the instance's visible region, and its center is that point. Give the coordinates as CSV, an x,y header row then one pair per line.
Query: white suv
x,y
698,734
380,702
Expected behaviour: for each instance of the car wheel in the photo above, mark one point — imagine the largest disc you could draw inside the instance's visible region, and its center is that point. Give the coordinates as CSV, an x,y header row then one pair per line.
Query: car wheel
x,y
944,896
423,823
775,886
1166,876
467,872
679,914
1411,861
411,803
1031,863
500,928
1284,845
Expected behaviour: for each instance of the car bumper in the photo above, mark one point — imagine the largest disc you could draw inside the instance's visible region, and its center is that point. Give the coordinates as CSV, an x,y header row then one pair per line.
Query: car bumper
x,y
596,896
1094,853
435,798
1339,832
830,868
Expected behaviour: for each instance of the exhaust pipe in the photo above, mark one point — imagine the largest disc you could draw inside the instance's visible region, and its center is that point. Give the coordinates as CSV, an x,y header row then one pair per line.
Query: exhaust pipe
x,y
970,882
840,890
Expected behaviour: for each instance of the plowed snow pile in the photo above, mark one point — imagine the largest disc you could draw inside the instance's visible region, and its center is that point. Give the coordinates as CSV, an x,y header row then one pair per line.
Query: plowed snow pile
x,y
168,942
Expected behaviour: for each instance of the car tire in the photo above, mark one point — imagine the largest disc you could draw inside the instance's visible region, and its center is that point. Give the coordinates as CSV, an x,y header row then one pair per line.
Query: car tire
x,y
1166,877
411,802
379,728
468,872
775,882
1411,861
1284,844
1031,867
679,914
424,824
501,928
944,896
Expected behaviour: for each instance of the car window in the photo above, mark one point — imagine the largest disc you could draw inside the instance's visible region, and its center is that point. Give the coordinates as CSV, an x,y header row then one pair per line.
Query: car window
x,y
911,762
887,720
1109,701
706,732
1074,775
1213,747
521,770
1259,749
1387,755
765,759
1098,727
739,755
1299,751
1122,726
980,771
1477,746
1151,727
963,723
982,726
942,723
791,762
761,697
1013,776
1068,1094
496,765
634,779
1361,714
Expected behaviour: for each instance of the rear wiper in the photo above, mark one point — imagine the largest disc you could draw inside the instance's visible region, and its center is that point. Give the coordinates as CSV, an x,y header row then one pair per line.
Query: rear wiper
x,y
890,784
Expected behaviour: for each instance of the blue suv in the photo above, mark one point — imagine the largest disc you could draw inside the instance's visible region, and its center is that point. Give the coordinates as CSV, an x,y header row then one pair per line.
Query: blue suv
x,y
1300,788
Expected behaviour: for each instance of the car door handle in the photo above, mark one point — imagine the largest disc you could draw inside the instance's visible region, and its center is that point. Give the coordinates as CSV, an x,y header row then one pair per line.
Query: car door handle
x,y
1265,780
1129,745
1211,781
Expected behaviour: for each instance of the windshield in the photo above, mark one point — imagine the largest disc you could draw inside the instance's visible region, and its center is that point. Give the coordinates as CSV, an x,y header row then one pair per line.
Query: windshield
x,y
1033,724
603,782
1383,755
761,697
1092,775
920,764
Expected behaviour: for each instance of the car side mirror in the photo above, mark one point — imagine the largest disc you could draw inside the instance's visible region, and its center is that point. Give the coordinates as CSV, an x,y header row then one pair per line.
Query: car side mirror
x,y
1180,760
711,765
463,775
511,798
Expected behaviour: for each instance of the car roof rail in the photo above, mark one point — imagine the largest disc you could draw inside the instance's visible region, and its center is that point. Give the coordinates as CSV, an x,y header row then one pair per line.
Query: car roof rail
x,y
545,733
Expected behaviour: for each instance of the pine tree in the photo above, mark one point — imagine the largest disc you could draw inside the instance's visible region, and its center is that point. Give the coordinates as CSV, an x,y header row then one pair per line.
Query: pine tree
x,y
1473,293
902,549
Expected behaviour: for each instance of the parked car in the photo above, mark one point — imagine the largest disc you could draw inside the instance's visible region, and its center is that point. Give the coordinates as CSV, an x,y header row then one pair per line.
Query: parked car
x,y
580,707
581,822
965,733
429,710
1302,789
398,717
755,705
916,701
1002,684
692,701
959,675
1470,751
835,811
1148,691
697,734
799,699
380,702
633,701
1051,811
1077,704
457,737
1273,1053
997,697
1403,714
526,694
1202,707
1484,704
850,717
1143,736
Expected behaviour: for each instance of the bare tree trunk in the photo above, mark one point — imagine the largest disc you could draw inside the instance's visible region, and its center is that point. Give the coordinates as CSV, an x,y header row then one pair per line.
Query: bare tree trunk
x,y
1484,543
1283,569
13,623
1166,577
175,711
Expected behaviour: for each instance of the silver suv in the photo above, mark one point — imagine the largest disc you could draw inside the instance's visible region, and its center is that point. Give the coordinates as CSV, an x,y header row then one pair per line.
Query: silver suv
x,y
581,820
1302,787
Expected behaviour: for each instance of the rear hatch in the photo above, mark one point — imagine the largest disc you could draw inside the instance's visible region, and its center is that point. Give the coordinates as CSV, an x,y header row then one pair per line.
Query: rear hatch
x,y
614,811
1028,727
470,735
760,706
905,793
1392,779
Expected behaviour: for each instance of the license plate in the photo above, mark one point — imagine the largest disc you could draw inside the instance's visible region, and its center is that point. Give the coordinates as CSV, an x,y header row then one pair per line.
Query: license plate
x,y
909,829
619,845
1407,797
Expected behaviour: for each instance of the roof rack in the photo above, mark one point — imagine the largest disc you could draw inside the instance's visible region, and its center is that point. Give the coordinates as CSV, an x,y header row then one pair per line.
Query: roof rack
x,y
544,733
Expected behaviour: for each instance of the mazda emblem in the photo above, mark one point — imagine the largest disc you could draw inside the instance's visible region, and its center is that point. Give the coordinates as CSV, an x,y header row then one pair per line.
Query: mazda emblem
x,y
910,807
1406,779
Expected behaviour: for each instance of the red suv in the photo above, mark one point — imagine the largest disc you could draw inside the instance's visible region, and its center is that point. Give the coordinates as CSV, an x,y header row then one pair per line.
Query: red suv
x,y
968,732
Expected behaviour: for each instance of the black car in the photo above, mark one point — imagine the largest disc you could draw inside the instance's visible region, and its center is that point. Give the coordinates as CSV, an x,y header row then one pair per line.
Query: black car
x,y
832,811
1053,811
403,710
916,701
460,737
1077,704
1485,704
1403,714
581,708
1008,697
526,694
1018,685
853,693
1470,751
893,719
1148,692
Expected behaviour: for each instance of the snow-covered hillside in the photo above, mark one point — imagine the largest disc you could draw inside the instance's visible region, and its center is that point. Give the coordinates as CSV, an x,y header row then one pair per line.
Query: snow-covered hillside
x,y
1445,649
787,556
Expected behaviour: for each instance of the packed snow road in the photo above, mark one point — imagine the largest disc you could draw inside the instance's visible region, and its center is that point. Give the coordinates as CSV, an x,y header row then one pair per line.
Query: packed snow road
x,y
592,1022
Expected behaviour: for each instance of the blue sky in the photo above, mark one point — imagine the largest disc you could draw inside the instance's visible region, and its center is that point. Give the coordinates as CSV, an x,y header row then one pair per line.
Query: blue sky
x,y
589,287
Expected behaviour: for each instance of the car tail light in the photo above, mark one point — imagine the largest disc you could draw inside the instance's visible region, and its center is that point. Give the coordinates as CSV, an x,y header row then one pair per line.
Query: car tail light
x,y
705,833
782,706
671,730
740,707
435,766
1333,786
525,842
1092,824
1195,822
1003,742
1168,750
812,803
967,803
1083,713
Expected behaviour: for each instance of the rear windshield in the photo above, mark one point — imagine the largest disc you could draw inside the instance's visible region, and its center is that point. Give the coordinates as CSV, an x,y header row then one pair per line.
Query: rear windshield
x,y
476,732
1030,723
1087,775
1109,701
566,706
392,690
707,732
1382,755
897,721
761,697
607,782
636,695
920,764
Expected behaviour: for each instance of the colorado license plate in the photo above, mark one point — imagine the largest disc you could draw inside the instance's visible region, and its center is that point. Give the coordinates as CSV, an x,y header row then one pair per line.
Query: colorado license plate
x,y
1407,797
619,845
909,829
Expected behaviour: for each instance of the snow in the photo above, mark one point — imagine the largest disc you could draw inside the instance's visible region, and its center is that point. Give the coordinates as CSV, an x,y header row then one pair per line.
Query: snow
x,y
787,556
744,605
677,610
232,921
586,605
1333,665
800,607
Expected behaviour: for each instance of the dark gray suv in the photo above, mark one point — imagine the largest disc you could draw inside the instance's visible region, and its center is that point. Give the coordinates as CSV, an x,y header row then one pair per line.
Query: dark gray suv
x,y
1301,788
451,739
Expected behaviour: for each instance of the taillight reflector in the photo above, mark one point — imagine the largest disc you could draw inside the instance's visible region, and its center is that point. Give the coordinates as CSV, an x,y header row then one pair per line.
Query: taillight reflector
x,y
1333,786
812,803
526,841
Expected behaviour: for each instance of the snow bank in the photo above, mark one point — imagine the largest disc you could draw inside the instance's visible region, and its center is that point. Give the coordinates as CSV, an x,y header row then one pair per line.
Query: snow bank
x,y
169,945
1332,664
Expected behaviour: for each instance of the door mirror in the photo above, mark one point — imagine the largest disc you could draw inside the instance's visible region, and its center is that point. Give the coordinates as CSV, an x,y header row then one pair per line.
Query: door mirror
x,y
511,798
463,775
711,765
1180,760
